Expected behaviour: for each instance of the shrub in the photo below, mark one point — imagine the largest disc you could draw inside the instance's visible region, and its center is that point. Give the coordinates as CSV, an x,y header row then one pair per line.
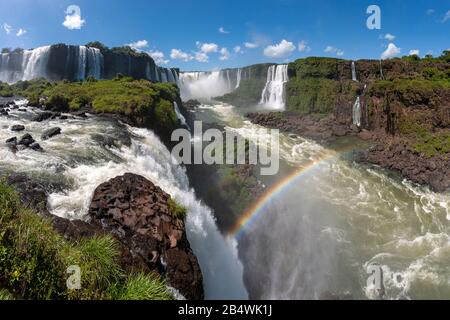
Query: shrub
x,y
177,210
57,102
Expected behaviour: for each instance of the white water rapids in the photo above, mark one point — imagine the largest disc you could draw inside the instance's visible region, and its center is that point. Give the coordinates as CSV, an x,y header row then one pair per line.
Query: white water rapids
x,y
317,237
74,163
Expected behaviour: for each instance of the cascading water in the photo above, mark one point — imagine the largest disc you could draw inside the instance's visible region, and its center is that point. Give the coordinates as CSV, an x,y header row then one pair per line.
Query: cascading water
x,y
207,85
239,78
354,77
315,237
74,163
179,114
34,63
273,95
357,112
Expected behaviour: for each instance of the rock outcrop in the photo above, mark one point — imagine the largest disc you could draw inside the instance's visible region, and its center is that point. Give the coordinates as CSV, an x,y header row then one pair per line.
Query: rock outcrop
x,y
139,215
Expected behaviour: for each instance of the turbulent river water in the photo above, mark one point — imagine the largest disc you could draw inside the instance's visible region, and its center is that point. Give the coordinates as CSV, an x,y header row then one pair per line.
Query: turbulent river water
x,y
93,150
313,240
317,238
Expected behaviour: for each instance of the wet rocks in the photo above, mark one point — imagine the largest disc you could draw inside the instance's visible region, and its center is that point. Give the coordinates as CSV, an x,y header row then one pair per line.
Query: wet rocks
x,y
50,133
17,127
3,112
42,116
26,140
394,154
138,214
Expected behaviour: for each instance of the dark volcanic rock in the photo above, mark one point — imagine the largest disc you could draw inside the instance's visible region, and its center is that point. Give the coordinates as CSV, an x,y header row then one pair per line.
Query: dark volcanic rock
x,y
17,127
395,154
31,193
12,140
42,116
50,133
137,213
35,146
26,140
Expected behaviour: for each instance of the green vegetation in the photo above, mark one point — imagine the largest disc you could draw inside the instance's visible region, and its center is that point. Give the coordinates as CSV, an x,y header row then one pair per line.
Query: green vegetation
x,y
315,67
34,260
177,210
248,93
5,295
143,102
423,139
144,287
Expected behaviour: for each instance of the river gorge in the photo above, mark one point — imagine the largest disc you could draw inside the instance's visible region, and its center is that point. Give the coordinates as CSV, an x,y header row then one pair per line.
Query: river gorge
x,y
309,232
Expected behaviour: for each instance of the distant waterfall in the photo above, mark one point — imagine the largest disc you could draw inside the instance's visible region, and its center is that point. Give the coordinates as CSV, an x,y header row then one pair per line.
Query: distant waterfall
x,y
24,65
354,78
273,94
381,71
35,62
32,64
239,77
207,85
357,112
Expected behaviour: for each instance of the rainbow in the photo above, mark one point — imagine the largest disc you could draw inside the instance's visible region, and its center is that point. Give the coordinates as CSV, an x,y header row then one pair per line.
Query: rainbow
x,y
257,208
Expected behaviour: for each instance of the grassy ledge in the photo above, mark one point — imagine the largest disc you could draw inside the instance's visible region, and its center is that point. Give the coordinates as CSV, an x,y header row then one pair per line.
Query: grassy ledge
x,y
34,260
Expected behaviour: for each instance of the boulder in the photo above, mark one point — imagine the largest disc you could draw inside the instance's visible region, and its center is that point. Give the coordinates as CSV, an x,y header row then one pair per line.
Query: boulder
x,y
26,140
35,146
42,116
17,127
50,133
138,214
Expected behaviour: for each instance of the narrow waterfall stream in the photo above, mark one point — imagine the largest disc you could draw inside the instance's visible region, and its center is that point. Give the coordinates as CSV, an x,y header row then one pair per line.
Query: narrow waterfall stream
x,y
93,150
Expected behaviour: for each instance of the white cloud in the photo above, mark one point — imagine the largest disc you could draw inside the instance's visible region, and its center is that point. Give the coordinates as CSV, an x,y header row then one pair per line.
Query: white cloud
x,y
158,56
337,51
73,18
180,55
446,17
303,46
283,49
430,12
140,44
414,52
250,45
7,28
208,47
201,57
391,51
21,32
389,37
222,30
224,54
237,49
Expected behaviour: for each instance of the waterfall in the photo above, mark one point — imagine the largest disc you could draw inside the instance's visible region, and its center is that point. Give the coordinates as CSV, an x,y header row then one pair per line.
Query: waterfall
x,y
357,112
238,79
94,63
207,85
179,114
34,63
354,78
82,62
78,163
273,94
381,71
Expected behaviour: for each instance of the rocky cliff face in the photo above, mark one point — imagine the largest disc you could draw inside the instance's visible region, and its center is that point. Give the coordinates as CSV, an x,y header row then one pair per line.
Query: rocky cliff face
x,y
140,216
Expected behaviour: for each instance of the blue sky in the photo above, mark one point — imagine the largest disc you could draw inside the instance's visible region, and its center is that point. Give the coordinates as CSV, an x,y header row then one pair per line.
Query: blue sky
x,y
209,34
